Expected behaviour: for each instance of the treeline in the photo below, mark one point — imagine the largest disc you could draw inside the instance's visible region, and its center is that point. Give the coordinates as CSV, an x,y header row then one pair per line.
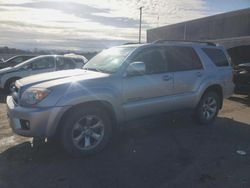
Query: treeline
x,y
7,50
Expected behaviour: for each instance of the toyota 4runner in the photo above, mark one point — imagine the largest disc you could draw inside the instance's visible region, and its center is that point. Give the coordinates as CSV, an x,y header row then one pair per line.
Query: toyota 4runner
x,y
83,107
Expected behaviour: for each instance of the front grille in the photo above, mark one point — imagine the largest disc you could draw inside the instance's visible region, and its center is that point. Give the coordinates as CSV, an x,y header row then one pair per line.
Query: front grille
x,y
15,95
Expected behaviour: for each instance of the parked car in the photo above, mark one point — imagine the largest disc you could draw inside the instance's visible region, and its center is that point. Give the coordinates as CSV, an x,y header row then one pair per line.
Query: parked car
x,y
84,107
37,65
15,60
76,56
242,79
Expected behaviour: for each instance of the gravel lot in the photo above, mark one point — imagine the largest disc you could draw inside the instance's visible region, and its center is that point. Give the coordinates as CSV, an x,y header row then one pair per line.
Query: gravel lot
x,y
160,151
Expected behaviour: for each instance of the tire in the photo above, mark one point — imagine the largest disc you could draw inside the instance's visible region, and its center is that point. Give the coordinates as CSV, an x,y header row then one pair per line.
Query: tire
x,y
86,131
9,83
208,108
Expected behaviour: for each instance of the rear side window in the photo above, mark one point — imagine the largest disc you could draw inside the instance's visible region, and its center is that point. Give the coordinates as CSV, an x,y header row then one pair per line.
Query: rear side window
x,y
217,56
78,62
64,63
181,58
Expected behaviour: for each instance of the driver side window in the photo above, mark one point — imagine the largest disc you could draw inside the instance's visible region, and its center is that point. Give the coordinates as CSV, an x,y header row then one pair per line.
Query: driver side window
x,y
43,63
154,60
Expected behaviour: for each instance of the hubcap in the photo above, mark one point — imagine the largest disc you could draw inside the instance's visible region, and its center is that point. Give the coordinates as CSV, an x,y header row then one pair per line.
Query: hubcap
x,y
209,108
88,132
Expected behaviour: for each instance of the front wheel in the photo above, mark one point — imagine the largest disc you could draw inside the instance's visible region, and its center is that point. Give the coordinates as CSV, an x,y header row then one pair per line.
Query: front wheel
x,y
207,108
86,131
9,85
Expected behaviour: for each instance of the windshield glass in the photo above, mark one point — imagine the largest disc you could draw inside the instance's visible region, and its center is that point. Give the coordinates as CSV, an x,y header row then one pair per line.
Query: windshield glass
x,y
110,60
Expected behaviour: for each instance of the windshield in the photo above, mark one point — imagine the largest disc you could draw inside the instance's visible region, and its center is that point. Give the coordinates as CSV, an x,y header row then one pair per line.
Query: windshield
x,y
10,59
110,60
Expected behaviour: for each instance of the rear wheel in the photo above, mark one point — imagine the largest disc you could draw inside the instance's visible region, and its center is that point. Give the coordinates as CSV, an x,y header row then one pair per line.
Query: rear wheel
x,y
208,108
86,131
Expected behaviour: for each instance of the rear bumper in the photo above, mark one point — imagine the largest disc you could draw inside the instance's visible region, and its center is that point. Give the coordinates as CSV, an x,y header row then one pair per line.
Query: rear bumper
x,y
228,89
42,121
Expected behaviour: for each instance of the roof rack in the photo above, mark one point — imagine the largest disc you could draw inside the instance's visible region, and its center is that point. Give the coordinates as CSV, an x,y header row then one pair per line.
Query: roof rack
x,y
184,41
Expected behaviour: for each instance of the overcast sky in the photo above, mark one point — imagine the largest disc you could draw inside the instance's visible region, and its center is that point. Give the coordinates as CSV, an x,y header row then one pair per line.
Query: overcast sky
x,y
95,24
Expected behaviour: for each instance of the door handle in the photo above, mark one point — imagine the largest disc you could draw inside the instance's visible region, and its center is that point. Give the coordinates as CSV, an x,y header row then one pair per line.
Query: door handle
x,y
199,74
166,78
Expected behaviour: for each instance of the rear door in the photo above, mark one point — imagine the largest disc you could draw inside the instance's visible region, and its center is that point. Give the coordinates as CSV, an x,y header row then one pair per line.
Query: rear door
x,y
188,73
65,63
220,59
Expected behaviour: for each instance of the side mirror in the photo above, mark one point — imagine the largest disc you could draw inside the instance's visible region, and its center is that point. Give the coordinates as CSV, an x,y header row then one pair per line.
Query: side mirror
x,y
136,68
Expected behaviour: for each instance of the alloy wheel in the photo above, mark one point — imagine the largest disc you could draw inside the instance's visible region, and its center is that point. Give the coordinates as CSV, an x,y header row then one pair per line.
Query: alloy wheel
x,y
88,132
209,108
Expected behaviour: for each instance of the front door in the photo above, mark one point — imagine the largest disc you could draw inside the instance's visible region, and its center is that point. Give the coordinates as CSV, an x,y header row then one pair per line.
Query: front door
x,y
43,65
146,94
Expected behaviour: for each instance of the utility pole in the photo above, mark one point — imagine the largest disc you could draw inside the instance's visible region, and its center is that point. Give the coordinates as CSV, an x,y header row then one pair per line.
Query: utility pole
x,y
140,25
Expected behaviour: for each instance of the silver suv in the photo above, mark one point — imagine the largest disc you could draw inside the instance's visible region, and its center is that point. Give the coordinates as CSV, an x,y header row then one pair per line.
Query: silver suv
x,y
84,106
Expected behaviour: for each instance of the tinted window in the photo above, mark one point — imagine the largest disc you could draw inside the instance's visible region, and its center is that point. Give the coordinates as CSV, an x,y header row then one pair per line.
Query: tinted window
x,y
217,56
17,60
78,62
64,63
182,59
43,63
27,57
154,60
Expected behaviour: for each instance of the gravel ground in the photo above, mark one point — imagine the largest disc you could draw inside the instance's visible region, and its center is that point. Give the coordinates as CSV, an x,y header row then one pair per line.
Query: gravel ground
x,y
160,151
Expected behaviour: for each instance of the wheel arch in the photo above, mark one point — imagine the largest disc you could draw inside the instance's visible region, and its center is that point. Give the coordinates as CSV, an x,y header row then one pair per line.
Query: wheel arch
x,y
105,105
9,79
215,88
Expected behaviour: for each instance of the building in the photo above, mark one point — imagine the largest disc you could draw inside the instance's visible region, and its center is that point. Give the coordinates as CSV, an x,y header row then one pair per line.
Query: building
x,y
231,29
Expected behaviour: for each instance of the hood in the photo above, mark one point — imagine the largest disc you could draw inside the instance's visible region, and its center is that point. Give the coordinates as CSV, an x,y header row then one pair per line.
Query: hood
x,y
60,77
7,70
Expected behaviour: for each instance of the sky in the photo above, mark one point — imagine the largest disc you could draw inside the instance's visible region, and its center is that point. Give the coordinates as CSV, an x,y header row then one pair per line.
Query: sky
x,y
90,25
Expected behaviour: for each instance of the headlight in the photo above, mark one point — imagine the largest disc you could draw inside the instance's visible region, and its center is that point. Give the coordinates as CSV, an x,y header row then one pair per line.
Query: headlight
x,y
34,95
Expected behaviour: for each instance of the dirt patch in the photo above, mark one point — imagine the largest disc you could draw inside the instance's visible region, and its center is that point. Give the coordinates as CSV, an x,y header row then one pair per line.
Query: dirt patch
x,y
160,151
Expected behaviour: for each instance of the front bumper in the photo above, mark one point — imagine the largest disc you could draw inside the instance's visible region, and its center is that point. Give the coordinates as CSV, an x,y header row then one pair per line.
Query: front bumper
x,y
42,121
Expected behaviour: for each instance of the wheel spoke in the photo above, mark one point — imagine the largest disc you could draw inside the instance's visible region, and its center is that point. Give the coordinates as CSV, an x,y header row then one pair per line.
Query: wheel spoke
x,y
212,103
88,120
79,137
87,141
95,136
211,109
207,114
97,125
210,100
78,126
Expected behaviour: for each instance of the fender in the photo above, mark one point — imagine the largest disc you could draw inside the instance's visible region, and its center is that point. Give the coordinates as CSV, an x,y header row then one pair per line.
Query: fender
x,y
109,95
204,85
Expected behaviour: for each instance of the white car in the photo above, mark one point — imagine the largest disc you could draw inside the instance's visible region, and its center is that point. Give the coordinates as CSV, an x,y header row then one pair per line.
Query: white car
x,y
37,65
